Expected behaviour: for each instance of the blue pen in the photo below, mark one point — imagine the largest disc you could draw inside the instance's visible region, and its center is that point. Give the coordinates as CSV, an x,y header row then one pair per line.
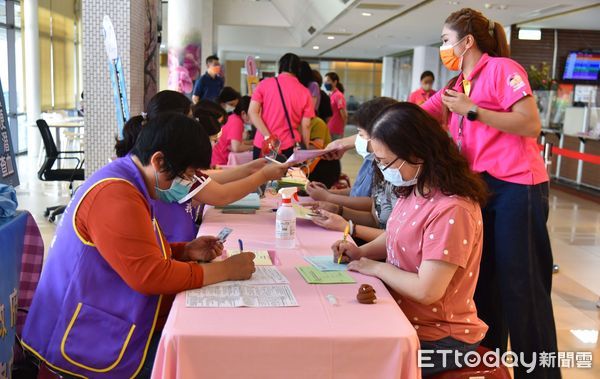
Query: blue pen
x,y
241,245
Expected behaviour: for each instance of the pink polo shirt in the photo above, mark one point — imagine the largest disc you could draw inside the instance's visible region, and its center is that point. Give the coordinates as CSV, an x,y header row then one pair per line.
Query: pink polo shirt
x,y
420,96
297,100
232,130
443,228
338,102
496,84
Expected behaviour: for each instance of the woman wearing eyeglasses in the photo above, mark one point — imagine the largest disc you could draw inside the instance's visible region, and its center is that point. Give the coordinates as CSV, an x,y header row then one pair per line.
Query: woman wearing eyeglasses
x,y
433,240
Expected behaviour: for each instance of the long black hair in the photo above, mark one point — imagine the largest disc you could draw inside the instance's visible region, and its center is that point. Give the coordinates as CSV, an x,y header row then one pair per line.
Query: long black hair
x,y
183,142
163,101
289,63
414,136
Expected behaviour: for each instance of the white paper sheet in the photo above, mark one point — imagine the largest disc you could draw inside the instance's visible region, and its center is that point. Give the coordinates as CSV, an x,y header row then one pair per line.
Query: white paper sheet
x,y
300,156
237,295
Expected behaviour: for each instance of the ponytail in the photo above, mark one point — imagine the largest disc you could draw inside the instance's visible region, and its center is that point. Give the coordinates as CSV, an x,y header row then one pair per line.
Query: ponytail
x,y
131,131
445,111
488,34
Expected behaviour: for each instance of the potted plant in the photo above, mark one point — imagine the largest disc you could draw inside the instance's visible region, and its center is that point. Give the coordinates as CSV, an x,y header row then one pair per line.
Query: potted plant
x,y
544,89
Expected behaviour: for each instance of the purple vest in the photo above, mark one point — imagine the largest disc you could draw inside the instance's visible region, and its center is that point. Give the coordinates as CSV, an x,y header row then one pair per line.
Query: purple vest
x,y
176,220
84,319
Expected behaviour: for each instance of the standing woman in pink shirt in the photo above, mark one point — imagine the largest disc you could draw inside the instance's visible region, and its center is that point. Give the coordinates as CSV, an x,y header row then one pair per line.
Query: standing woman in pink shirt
x,y
281,109
337,122
493,119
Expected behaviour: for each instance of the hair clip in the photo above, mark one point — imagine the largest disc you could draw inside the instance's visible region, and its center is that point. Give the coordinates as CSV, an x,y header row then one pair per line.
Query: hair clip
x,y
144,115
491,26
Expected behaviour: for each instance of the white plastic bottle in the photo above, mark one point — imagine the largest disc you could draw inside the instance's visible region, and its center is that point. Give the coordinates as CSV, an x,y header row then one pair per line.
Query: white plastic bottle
x,y
285,224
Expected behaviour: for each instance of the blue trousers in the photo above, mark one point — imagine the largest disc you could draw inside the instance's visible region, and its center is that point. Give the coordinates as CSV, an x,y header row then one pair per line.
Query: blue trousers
x,y
515,278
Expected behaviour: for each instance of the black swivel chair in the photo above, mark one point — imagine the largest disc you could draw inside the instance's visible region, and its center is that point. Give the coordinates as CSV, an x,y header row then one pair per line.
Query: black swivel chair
x,y
47,173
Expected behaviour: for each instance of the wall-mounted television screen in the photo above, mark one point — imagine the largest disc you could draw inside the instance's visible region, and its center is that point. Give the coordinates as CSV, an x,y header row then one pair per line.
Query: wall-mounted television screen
x,y
582,66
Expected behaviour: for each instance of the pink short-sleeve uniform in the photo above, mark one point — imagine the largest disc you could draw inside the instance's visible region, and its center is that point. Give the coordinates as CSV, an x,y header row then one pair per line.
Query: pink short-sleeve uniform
x,y
297,100
338,102
443,228
496,84
232,130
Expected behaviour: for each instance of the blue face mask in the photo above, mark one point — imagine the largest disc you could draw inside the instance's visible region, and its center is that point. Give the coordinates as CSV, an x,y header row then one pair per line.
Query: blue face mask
x,y
394,176
328,86
179,189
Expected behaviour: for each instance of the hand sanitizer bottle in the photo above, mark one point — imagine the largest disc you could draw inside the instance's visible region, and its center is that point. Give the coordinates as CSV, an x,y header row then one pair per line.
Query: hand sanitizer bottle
x,y
285,224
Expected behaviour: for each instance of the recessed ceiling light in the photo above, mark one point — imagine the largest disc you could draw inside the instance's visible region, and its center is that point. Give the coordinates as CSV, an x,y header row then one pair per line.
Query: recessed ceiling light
x,y
330,37
315,47
366,14
530,34
257,57
453,2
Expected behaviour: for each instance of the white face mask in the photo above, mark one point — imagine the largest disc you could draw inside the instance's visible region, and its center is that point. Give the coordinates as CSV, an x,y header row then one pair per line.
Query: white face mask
x,y
394,176
229,108
361,146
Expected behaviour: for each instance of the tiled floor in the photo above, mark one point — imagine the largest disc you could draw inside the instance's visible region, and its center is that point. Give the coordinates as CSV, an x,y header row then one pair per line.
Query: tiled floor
x,y
574,228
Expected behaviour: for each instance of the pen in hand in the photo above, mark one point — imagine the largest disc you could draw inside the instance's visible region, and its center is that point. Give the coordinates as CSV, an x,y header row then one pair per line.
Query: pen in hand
x,y
241,244
346,231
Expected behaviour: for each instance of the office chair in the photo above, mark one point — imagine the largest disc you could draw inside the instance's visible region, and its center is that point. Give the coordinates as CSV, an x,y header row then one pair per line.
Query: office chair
x,y
47,173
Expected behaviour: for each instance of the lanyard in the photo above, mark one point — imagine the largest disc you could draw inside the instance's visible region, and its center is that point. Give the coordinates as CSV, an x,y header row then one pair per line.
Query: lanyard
x,y
467,85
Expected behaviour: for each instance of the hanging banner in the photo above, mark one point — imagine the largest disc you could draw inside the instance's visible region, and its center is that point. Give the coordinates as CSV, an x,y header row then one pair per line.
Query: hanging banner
x,y
8,164
117,77
251,74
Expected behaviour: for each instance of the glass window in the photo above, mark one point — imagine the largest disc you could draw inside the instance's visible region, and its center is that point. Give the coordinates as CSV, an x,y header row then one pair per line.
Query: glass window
x,y
17,14
3,11
4,64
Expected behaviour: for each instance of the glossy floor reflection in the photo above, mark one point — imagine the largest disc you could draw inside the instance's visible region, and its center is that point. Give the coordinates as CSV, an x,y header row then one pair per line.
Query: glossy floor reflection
x,y
574,227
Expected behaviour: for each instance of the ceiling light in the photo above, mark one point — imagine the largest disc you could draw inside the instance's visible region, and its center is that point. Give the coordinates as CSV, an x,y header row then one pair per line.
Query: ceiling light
x,y
257,57
453,2
366,14
530,34
330,37
315,47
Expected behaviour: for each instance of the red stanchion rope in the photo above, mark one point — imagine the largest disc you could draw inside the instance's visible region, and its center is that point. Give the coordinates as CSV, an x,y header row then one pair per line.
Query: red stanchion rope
x,y
590,158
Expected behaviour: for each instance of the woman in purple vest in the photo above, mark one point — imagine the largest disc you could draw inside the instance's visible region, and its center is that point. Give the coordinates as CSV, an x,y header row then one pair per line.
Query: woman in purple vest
x,y
214,187
104,291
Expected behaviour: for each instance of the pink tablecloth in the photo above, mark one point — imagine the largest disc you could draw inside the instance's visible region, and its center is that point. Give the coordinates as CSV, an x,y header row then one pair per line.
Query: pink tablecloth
x,y
314,340
236,159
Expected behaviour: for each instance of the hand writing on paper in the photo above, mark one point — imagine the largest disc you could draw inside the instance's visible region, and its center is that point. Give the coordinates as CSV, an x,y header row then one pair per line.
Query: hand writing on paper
x,y
240,266
348,250
365,266
317,191
204,249
457,102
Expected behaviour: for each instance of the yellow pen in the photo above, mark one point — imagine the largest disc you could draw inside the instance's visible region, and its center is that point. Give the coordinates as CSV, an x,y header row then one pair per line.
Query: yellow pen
x,y
346,231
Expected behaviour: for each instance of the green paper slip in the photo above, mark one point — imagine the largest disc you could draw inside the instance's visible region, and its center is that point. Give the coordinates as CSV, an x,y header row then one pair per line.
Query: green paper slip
x,y
314,276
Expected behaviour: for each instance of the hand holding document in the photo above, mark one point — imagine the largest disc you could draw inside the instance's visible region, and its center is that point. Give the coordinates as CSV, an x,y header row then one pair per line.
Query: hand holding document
x,y
300,156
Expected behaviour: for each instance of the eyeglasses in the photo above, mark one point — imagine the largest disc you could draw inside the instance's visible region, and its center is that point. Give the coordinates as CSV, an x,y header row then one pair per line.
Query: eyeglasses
x,y
386,166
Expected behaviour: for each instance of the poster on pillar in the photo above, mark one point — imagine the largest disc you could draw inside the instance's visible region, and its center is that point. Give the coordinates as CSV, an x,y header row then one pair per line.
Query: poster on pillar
x,y
8,164
251,74
117,76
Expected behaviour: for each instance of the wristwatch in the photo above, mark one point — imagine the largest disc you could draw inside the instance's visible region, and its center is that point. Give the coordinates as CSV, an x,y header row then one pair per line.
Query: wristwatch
x,y
472,114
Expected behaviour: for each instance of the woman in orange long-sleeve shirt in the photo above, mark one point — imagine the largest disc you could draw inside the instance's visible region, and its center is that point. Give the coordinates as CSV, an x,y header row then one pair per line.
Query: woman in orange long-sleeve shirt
x,y
108,280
